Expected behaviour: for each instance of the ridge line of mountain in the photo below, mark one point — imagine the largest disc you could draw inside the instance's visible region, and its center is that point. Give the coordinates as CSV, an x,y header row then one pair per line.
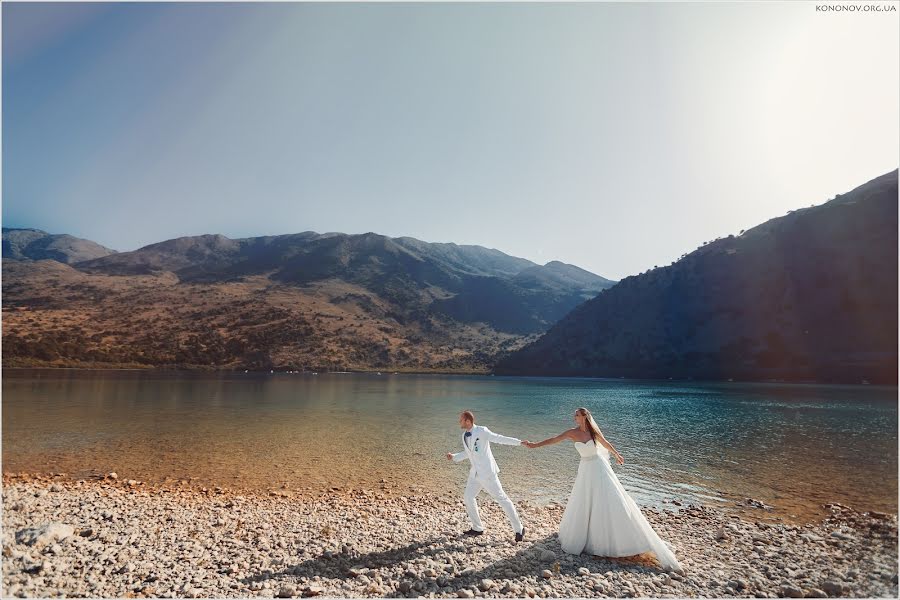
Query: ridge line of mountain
x,y
309,233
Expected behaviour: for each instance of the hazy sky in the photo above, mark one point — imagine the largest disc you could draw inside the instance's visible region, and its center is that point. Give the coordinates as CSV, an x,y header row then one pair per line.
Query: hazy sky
x,y
612,136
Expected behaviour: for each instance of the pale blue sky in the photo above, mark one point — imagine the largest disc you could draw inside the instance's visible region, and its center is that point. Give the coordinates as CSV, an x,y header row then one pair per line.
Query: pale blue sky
x,y
612,136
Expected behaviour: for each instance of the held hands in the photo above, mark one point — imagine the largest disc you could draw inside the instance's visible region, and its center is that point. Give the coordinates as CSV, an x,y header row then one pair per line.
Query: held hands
x,y
528,444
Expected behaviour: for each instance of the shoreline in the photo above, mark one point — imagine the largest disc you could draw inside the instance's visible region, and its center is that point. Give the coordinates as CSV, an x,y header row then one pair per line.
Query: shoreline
x,y
203,369
124,538
392,486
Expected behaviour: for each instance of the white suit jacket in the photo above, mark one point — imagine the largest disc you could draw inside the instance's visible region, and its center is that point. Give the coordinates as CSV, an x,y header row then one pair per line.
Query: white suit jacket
x,y
478,450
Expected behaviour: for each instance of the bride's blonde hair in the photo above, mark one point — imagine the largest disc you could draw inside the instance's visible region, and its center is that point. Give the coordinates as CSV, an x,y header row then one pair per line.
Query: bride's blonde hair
x,y
592,426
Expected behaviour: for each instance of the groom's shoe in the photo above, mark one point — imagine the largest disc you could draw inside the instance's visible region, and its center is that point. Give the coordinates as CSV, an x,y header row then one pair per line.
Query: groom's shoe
x,y
472,532
520,536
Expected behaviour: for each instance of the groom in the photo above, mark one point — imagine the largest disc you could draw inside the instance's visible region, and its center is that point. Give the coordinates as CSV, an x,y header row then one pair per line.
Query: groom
x,y
483,473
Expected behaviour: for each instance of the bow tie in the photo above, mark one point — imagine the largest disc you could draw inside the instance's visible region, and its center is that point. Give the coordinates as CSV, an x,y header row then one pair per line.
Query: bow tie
x,y
467,436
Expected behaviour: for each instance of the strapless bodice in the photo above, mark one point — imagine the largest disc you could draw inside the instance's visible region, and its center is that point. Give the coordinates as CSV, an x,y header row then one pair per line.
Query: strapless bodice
x,y
589,450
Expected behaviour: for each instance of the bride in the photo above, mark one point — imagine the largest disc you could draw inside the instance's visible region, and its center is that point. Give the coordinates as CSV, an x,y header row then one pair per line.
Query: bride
x,y
601,518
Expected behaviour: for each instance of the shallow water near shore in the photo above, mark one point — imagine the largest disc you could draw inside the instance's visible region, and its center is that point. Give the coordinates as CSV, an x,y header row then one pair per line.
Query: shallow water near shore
x,y
794,447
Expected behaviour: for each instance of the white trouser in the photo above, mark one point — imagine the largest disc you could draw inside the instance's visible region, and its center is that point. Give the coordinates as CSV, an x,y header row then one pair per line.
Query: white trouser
x,y
491,484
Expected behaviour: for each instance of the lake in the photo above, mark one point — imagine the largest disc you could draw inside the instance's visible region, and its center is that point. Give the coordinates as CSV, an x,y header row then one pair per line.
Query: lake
x,y
794,447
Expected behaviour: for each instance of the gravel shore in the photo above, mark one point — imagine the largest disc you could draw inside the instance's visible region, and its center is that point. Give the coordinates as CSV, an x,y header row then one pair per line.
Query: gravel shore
x,y
113,538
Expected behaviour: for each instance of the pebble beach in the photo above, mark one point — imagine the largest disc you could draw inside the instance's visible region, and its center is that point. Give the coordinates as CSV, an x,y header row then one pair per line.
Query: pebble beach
x,y
123,538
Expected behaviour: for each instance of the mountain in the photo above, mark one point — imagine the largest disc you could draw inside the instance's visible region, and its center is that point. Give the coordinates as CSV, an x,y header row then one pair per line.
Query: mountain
x,y
34,244
306,256
528,302
475,260
466,283
329,301
560,275
810,296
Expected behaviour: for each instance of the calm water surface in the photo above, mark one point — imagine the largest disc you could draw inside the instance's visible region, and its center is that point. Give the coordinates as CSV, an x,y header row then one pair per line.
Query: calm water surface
x,y
791,446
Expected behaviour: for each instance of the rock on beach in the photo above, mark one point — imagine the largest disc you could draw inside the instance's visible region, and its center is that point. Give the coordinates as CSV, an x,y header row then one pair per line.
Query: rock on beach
x,y
114,537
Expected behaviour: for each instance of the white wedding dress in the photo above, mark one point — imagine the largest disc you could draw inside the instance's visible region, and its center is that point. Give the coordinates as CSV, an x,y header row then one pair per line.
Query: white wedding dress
x,y
602,519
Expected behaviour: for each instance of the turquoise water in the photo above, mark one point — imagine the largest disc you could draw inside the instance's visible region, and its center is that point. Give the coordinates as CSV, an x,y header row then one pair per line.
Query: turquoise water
x,y
790,446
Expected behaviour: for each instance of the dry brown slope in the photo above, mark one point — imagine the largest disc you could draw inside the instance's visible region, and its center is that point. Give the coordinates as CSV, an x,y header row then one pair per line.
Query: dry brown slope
x,y
55,315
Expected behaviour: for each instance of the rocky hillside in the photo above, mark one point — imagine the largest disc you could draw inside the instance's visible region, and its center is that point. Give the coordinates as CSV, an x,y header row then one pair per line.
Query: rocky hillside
x,y
304,301
810,296
34,244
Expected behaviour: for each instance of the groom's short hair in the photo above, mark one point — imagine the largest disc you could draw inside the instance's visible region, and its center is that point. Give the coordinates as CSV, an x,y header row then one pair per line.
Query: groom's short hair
x,y
468,415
